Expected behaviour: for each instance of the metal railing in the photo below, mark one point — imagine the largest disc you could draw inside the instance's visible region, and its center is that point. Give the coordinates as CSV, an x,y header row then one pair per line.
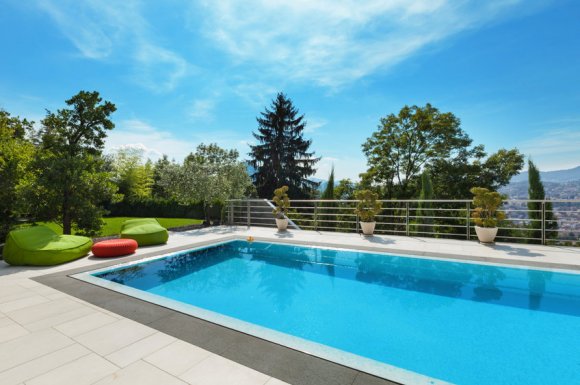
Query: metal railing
x,y
547,222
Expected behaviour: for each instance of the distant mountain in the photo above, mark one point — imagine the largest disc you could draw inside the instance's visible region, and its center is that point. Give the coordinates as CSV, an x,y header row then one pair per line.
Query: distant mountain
x,y
560,184
558,176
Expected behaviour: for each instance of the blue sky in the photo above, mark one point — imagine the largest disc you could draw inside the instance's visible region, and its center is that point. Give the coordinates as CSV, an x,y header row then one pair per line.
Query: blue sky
x,y
186,72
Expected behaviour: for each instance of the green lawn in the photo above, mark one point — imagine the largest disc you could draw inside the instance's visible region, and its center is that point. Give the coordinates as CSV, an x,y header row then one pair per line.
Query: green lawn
x,y
113,224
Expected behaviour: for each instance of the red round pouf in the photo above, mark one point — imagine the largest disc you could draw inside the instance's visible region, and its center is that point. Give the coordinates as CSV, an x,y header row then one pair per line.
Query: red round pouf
x,y
114,248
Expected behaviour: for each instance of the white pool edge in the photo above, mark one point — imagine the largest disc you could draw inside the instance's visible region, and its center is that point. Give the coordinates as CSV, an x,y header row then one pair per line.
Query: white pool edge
x,y
363,364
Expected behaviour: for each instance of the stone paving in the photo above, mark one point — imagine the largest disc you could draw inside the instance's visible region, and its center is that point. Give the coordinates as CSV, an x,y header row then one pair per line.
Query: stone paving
x,y
48,337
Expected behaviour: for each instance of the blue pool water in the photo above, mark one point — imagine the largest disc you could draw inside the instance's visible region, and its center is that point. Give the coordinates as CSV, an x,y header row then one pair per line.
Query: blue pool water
x,y
459,322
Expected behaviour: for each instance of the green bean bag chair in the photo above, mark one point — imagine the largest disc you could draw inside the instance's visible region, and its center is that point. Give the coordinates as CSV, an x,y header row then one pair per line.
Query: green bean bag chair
x,y
40,246
146,231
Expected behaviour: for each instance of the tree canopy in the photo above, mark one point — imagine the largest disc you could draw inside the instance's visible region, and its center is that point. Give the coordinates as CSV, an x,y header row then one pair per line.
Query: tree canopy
x,y
282,155
132,174
71,182
406,143
16,152
210,175
453,177
423,138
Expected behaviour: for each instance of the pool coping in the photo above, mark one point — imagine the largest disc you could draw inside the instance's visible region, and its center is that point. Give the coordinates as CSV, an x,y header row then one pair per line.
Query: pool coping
x,y
287,364
271,358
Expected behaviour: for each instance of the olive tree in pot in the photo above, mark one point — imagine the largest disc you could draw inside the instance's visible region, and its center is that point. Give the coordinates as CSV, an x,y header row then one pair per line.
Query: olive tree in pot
x,y
282,203
367,207
486,214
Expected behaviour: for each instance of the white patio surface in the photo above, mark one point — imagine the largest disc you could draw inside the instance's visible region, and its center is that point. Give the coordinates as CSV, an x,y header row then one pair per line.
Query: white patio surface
x,y
48,337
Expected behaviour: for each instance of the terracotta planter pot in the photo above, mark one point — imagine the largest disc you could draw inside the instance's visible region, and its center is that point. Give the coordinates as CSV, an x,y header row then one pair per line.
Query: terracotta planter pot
x,y
368,228
282,224
486,234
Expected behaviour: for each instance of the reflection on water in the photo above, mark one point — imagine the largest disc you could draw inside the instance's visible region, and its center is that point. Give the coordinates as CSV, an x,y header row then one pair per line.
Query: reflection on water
x,y
149,275
282,291
537,286
486,278
458,281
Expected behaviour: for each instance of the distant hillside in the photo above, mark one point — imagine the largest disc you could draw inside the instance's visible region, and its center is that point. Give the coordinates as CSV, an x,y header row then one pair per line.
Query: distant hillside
x,y
566,190
558,176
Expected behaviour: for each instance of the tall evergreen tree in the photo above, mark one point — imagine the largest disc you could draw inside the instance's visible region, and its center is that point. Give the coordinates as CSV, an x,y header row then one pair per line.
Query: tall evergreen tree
x,y
282,155
328,193
536,192
423,207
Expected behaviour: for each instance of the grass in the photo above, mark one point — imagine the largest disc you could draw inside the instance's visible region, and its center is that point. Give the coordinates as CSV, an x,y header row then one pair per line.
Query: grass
x,y
112,225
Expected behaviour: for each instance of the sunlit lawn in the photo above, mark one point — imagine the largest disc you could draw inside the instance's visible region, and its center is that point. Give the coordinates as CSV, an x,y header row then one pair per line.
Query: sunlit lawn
x,y
113,224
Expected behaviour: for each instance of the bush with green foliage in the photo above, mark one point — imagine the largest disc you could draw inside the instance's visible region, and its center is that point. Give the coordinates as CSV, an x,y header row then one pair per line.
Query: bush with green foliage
x,y
132,174
16,153
210,174
281,201
368,205
487,203
165,208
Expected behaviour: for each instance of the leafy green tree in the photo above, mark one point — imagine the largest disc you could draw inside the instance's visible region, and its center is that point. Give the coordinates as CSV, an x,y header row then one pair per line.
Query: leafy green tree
x,y
406,143
455,176
536,192
210,175
16,152
159,169
71,182
282,156
133,176
345,189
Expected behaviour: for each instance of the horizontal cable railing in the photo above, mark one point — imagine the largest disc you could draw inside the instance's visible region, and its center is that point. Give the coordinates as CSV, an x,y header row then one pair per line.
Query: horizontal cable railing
x,y
527,221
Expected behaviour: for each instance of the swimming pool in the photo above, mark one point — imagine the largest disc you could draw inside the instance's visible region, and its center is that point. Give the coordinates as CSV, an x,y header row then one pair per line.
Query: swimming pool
x,y
408,319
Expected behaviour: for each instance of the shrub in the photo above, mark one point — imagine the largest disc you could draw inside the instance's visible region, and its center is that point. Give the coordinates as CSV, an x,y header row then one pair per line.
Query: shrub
x,y
161,208
487,203
281,201
368,205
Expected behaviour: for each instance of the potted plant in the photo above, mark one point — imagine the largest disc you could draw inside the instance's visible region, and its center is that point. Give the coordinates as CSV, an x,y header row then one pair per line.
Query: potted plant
x,y
486,214
367,207
282,203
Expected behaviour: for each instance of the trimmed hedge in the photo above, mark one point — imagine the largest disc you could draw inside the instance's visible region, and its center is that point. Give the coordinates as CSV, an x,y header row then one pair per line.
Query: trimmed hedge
x,y
161,208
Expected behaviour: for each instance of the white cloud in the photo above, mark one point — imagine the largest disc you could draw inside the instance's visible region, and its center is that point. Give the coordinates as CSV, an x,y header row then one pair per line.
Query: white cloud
x,y
101,30
332,42
344,167
202,108
314,124
554,149
257,94
159,69
153,141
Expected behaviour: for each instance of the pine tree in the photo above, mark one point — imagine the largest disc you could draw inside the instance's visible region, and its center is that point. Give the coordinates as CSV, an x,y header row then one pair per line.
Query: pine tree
x,y
423,207
328,193
282,155
536,192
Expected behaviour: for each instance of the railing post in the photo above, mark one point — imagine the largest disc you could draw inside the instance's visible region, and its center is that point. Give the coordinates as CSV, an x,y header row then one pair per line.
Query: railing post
x,y
407,218
248,212
357,224
468,221
315,216
543,222
231,213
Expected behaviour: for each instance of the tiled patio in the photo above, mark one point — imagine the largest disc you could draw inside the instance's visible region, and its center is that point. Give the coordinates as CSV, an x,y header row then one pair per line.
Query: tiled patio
x,y
48,337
